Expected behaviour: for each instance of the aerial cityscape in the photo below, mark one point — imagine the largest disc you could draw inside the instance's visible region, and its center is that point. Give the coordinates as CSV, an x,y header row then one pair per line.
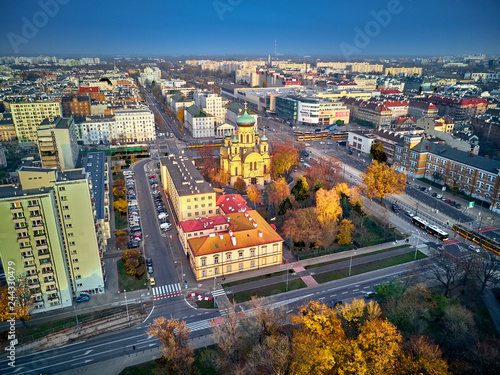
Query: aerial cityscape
x,y
250,187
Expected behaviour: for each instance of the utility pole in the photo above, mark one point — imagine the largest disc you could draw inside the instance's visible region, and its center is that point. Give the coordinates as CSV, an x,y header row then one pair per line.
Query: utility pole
x,y
126,307
76,316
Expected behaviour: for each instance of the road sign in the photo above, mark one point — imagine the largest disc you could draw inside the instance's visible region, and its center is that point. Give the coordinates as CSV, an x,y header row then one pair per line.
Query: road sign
x,y
443,188
471,204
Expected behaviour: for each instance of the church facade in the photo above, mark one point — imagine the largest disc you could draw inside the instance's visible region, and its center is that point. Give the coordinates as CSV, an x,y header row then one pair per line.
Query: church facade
x,y
246,154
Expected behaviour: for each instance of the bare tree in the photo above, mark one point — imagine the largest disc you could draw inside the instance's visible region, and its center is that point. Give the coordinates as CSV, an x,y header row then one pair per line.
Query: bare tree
x,y
487,271
444,270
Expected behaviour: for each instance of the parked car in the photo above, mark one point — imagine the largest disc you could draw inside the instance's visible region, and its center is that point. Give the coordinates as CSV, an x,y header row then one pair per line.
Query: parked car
x,y
434,195
453,203
439,196
133,244
166,226
149,262
83,298
152,281
409,213
395,208
448,201
423,188
150,269
458,206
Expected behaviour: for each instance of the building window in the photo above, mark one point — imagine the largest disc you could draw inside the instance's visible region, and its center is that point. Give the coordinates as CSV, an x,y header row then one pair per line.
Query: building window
x,y
216,270
203,273
67,216
216,260
62,188
241,266
252,253
69,225
203,262
228,268
228,257
240,255
252,263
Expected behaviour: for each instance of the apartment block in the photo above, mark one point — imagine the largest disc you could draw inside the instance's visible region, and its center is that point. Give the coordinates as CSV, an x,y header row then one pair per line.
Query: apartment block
x,y
190,194
49,234
135,125
57,143
98,129
476,176
76,106
417,109
7,129
28,116
200,123
402,70
211,104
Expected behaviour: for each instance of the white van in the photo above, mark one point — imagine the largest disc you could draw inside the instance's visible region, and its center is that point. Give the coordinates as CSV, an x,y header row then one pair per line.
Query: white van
x,y
166,226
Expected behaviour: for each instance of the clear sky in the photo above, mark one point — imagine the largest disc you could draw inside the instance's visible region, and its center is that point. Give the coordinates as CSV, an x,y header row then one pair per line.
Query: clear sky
x,y
346,29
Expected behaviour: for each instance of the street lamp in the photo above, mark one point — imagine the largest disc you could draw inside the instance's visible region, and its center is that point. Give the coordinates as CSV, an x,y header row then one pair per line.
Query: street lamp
x,y
76,316
350,263
182,272
416,246
126,307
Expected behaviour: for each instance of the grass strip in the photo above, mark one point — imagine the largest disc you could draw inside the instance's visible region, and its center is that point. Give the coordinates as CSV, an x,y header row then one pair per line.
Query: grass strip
x,y
257,278
267,290
129,282
356,257
368,267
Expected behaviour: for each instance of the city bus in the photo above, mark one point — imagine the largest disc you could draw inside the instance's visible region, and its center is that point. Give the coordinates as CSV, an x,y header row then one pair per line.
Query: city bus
x,y
478,238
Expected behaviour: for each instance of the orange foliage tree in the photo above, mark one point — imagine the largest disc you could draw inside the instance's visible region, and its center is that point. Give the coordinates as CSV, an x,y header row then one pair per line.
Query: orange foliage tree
x,y
253,194
283,158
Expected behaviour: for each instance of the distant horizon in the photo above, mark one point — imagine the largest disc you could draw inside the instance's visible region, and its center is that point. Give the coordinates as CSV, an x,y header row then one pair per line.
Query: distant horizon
x,y
355,30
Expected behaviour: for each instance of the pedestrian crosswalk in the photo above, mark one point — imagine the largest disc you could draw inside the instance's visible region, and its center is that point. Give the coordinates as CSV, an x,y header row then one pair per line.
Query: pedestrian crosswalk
x,y
167,291
218,292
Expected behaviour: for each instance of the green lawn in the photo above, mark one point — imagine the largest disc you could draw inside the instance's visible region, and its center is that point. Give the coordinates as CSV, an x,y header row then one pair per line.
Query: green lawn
x,y
372,266
146,368
239,282
129,282
205,304
356,257
267,290
121,221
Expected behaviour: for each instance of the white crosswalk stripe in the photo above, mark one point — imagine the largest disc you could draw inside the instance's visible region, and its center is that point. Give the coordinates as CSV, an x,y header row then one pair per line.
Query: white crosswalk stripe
x,y
218,292
166,291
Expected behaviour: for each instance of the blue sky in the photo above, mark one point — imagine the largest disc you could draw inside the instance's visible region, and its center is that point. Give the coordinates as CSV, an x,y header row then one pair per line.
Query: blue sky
x,y
250,27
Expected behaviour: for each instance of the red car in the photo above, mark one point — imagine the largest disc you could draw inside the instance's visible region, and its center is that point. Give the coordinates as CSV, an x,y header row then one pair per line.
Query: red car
x,y
448,200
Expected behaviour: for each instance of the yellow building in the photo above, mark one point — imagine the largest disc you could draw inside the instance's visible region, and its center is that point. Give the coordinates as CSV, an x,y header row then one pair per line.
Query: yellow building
x,y
409,71
190,194
249,243
27,118
336,95
246,155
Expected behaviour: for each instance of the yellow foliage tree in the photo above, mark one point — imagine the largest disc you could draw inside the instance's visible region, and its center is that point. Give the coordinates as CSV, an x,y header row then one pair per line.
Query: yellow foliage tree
x,y
328,205
278,191
380,342
253,194
121,206
346,228
131,260
180,115
177,354
343,188
380,180
17,302
355,196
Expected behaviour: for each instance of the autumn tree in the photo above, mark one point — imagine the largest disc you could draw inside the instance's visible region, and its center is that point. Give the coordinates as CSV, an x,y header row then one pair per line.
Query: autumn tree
x,y
131,260
277,191
177,354
421,356
377,152
218,176
301,189
444,270
380,180
346,228
16,302
240,185
487,272
119,187
283,158
328,205
253,194
303,225
121,206
180,115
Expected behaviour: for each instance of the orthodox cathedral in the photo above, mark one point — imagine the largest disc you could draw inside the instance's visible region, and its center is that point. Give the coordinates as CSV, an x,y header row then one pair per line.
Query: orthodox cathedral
x,y
246,155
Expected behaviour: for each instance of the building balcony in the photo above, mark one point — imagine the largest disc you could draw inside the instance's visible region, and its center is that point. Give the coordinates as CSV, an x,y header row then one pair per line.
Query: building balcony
x,y
48,273
20,230
52,289
28,256
43,255
41,237
36,225
42,246
53,297
46,262
36,295
16,209
22,239
29,267
34,285
19,219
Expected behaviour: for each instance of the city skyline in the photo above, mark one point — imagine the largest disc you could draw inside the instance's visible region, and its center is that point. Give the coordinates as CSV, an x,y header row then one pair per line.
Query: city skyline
x,y
239,28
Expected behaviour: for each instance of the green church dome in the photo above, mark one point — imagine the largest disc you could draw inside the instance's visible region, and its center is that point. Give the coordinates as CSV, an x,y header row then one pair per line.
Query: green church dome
x,y
245,119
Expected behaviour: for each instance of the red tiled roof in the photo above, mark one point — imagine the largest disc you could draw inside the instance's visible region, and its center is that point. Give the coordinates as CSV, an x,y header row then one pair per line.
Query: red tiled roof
x,y
389,91
202,223
232,203
88,89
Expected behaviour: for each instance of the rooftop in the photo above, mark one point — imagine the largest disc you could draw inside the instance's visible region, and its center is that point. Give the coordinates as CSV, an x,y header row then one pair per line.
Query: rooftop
x,y
94,165
232,203
202,223
186,178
